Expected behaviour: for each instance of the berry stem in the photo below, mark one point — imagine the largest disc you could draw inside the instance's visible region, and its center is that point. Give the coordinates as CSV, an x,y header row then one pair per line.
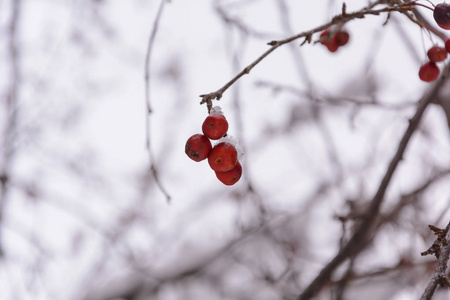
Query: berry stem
x,y
422,22
307,35
432,4
423,5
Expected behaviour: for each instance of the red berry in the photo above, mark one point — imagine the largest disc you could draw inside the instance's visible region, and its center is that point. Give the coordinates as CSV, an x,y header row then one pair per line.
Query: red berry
x,y
324,38
447,45
232,176
341,38
333,42
328,40
437,54
215,127
429,72
198,147
332,47
223,157
441,15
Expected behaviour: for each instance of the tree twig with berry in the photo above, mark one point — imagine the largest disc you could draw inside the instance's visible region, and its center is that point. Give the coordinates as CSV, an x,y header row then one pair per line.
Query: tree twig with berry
x,y
362,233
341,19
331,38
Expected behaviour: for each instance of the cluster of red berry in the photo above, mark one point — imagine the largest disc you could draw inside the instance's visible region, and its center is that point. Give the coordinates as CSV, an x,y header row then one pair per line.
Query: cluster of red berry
x,y
430,71
334,39
223,157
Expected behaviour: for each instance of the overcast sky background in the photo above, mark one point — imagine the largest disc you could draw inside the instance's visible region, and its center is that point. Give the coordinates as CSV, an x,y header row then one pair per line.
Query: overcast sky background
x,y
81,165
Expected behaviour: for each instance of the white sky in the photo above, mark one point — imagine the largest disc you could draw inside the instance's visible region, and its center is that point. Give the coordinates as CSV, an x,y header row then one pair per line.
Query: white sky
x,y
83,94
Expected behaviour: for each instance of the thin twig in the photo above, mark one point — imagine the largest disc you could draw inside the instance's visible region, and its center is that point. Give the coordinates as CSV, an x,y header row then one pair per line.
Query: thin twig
x,y
244,28
339,19
149,111
362,233
424,22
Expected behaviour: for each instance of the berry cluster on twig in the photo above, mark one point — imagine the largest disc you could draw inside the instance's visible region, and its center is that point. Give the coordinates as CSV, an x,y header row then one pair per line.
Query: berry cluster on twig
x,y
223,158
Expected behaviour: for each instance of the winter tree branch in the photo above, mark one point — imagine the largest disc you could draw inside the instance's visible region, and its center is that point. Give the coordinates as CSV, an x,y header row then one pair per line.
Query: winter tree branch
x,y
341,19
442,251
362,233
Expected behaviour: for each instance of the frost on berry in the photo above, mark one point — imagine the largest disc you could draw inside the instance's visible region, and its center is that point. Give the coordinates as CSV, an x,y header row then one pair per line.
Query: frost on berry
x,y
216,110
233,141
223,157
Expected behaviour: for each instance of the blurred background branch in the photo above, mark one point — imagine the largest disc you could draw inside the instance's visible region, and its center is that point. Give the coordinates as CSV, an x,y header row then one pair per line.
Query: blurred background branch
x,y
346,162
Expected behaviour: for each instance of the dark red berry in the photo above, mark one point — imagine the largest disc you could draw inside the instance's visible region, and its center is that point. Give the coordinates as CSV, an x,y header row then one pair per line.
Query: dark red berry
x,y
437,54
324,38
341,38
332,47
333,40
215,126
441,15
447,45
232,176
429,72
223,157
198,147
328,40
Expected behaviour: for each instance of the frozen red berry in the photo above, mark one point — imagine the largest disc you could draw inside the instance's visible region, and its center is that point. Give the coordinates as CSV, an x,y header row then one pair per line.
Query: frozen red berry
x,y
447,45
223,157
429,72
232,176
441,15
198,147
215,126
437,54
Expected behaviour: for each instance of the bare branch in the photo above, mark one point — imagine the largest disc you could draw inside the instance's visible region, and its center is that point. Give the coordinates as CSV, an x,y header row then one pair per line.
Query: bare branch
x,y
339,19
149,111
357,242
441,267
